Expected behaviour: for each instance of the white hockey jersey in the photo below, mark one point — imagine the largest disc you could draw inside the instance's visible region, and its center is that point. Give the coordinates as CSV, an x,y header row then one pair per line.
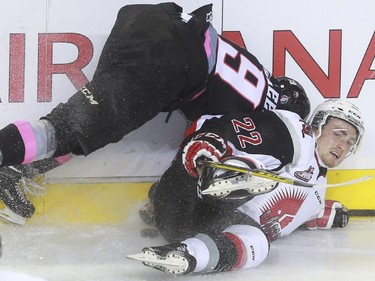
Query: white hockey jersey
x,y
292,205
277,141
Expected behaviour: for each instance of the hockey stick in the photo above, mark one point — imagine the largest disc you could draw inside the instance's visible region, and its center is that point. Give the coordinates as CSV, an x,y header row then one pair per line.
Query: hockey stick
x,y
272,176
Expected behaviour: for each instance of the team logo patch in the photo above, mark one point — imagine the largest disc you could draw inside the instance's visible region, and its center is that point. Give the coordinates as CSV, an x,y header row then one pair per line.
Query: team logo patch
x,y
305,175
284,99
86,92
284,205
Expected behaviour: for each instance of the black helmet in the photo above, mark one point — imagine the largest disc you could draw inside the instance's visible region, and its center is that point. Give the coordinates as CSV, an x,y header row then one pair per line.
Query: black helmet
x,y
292,96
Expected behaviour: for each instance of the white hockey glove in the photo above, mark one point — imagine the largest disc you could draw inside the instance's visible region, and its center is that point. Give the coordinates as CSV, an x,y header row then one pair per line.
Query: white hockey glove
x,y
206,146
335,215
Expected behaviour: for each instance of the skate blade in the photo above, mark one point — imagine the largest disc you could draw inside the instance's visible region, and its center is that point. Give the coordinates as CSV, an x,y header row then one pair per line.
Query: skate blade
x,y
173,263
8,216
153,260
221,188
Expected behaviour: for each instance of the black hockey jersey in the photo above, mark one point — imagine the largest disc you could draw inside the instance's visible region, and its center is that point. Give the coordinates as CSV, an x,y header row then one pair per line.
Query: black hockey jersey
x,y
238,82
156,61
260,134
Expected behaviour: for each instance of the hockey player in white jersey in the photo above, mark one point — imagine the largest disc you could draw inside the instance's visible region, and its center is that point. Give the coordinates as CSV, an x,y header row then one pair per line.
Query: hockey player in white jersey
x,y
207,233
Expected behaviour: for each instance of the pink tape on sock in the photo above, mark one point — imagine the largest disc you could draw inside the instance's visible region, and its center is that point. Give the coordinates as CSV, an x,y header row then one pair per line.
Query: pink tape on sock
x,y
28,138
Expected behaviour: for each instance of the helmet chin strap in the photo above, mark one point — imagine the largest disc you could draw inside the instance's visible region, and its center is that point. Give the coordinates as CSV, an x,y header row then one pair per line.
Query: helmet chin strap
x,y
320,161
317,134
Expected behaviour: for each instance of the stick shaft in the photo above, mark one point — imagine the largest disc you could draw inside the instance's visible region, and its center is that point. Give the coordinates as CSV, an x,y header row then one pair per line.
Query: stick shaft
x,y
271,176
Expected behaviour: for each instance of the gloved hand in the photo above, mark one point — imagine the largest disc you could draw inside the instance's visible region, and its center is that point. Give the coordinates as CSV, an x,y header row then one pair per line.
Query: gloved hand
x,y
335,215
205,146
270,225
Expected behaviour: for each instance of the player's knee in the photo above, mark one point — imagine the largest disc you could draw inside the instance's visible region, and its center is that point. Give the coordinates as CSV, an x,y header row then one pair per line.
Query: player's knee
x,y
251,244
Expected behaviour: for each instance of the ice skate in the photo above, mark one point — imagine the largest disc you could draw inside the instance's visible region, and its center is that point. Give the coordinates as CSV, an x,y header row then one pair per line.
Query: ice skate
x,y
238,185
17,207
12,187
173,259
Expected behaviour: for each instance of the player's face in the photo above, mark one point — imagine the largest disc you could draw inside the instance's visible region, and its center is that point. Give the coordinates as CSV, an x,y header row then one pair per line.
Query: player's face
x,y
335,142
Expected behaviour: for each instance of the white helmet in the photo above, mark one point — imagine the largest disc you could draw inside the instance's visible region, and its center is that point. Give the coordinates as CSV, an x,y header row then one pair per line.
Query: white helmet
x,y
342,109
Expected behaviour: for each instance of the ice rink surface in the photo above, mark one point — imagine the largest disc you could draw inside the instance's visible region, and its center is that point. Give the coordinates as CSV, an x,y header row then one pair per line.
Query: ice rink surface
x,y
77,252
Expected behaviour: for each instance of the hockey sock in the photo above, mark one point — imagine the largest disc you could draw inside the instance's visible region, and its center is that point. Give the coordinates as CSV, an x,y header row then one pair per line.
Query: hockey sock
x,y
24,142
204,250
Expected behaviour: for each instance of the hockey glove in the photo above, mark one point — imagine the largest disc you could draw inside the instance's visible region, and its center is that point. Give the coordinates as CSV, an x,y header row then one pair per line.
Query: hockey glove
x,y
270,226
206,146
335,215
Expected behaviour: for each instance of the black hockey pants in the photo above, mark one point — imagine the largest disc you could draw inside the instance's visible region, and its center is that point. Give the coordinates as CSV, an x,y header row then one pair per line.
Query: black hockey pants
x,y
181,212
151,61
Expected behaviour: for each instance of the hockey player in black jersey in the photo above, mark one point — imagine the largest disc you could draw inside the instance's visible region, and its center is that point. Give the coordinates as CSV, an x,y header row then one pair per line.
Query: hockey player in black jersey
x,y
156,59
233,231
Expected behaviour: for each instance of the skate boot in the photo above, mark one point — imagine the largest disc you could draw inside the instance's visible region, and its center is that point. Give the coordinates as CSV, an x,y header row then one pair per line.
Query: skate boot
x,y
173,259
16,181
227,180
17,207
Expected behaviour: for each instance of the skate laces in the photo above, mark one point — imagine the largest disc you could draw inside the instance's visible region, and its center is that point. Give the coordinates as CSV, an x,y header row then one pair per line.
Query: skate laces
x,y
30,186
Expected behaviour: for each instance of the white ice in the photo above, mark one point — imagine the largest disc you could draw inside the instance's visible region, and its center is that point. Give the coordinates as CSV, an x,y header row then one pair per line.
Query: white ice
x,y
78,252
